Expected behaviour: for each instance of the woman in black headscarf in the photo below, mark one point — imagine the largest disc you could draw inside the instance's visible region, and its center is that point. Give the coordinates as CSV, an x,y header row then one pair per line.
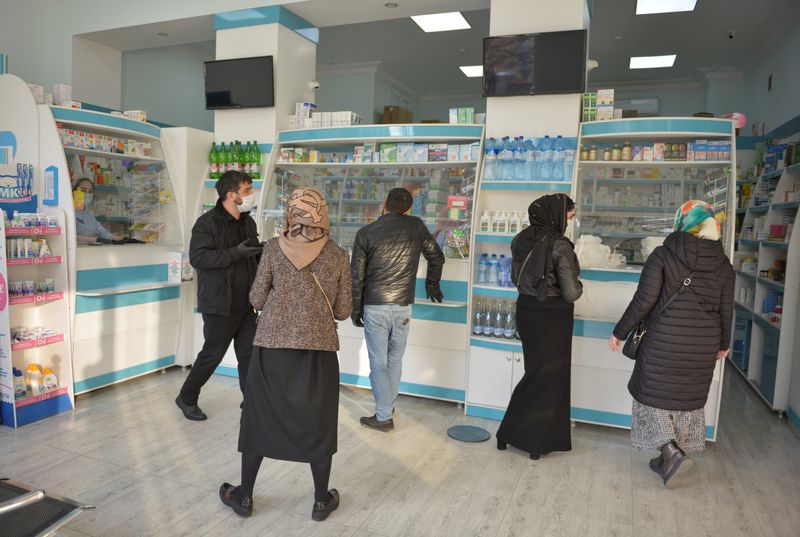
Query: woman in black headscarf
x,y
546,273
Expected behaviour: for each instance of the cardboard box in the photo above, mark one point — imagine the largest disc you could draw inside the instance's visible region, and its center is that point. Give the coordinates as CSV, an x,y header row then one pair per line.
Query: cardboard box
x,y
462,115
388,153
437,152
647,154
396,114
38,93
605,112
62,94
659,151
605,97
713,151
465,152
369,151
701,150
420,152
618,113
690,151
474,151
638,153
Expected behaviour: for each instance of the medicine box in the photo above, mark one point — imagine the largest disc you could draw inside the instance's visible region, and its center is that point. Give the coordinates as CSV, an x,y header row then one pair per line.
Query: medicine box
x,y
464,152
453,152
454,115
38,93
405,152
388,152
437,152
647,154
605,112
605,97
369,150
659,151
420,152
713,151
701,150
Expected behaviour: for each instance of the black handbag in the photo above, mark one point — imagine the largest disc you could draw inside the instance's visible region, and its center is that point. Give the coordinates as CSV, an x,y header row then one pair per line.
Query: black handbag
x,y
631,346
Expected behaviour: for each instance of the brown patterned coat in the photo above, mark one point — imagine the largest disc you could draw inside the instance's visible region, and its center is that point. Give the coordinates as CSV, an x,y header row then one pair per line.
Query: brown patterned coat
x,y
294,314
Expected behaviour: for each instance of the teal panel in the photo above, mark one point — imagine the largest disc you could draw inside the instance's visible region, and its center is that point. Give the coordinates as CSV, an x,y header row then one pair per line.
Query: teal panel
x,y
87,304
439,392
485,412
89,280
538,187
266,15
682,125
73,114
593,329
122,374
610,275
453,290
429,312
510,292
499,345
747,142
383,131
794,417
498,239
265,148
227,371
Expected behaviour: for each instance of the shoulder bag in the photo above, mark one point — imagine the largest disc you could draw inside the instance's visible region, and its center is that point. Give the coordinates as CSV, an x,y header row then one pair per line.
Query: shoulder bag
x,y
631,346
328,302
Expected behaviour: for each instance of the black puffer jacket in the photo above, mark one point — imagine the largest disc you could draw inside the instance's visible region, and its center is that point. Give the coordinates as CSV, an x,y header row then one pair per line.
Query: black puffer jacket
x,y
562,281
385,261
676,358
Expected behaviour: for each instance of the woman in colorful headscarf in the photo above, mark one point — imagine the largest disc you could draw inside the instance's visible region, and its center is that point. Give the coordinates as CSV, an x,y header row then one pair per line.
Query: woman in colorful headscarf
x,y
291,400
676,358
545,270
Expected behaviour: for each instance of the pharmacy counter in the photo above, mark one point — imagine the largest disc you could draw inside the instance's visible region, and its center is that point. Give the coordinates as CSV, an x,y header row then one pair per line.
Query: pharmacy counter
x,y
127,313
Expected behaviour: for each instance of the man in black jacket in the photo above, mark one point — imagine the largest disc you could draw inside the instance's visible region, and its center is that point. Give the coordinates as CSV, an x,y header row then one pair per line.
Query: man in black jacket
x,y
384,273
224,251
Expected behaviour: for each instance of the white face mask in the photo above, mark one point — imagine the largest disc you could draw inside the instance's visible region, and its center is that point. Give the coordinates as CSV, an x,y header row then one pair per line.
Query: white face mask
x,y
247,203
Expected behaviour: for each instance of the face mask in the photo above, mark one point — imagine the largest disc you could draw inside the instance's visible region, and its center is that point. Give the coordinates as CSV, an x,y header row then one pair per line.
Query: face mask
x,y
247,203
88,198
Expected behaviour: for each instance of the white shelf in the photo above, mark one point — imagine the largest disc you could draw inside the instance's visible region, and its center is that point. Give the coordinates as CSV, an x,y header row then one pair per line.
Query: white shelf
x,y
126,289
656,163
444,164
106,154
99,126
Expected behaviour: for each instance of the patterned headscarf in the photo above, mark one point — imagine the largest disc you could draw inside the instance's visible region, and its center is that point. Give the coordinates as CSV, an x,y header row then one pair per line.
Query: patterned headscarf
x,y
306,227
692,218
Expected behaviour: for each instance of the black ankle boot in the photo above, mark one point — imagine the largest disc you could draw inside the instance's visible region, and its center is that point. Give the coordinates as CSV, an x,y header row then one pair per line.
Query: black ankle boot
x,y
321,510
501,445
674,463
241,505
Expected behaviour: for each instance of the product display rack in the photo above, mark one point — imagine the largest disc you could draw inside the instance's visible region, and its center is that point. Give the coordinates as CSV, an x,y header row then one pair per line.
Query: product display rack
x,y
435,360
765,344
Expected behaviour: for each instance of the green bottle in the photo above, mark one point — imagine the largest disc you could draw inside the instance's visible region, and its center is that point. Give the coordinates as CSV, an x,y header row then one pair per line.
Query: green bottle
x,y
222,159
238,157
213,162
246,159
255,161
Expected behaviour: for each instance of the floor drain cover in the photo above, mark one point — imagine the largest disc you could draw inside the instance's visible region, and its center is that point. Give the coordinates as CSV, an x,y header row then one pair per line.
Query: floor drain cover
x,y
468,433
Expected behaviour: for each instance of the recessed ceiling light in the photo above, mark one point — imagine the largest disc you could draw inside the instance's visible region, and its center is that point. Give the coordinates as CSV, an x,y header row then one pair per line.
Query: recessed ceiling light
x,y
652,62
617,38
472,70
162,34
391,5
441,22
649,7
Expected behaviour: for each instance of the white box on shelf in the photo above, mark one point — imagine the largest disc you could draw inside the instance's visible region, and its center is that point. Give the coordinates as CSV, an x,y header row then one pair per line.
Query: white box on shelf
x,y
62,94
38,93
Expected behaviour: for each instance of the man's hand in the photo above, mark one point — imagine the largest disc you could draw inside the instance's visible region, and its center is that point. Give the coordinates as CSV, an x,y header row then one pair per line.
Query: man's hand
x,y
358,319
721,355
613,343
433,292
248,251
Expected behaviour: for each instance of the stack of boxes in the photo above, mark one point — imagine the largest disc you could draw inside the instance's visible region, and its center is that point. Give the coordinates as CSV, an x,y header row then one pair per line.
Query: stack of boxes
x,y
306,116
599,106
462,116
403,153
105,143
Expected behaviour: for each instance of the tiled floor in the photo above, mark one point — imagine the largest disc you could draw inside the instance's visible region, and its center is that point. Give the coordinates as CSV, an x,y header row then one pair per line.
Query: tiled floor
x,y
150,472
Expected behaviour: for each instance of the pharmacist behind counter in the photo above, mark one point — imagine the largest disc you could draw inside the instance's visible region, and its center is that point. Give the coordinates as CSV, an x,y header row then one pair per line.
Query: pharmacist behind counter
x,y
87,228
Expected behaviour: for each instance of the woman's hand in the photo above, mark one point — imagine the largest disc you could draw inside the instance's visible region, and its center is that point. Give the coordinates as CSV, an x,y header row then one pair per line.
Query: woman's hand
x,y
721,355
613,343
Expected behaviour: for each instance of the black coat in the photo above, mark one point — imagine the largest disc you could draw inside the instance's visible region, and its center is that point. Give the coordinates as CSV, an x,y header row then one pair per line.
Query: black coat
x,y
562,281
676,359
385,261
212,254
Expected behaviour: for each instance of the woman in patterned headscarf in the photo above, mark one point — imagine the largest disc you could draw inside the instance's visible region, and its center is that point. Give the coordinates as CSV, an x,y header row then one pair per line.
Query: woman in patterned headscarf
x,y
676,358
291,400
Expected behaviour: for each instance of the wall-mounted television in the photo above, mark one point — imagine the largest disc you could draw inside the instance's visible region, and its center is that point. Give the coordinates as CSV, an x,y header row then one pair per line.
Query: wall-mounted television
x,y
534,64
239,83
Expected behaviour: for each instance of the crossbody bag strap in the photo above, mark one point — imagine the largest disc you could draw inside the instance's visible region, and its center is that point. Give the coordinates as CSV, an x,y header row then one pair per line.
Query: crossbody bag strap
x,y
328,302
686,282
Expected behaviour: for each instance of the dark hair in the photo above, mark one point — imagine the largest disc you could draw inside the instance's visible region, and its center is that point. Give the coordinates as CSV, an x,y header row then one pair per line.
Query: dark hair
x,y
570,204
230,182
399,200
77,182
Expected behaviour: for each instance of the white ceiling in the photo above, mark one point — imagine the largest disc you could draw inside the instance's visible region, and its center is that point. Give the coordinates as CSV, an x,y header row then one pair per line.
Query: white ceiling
x,y
324,13
180,32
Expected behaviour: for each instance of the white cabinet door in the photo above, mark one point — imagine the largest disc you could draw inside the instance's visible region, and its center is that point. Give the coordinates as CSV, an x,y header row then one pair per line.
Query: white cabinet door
x,y
489,377
519,369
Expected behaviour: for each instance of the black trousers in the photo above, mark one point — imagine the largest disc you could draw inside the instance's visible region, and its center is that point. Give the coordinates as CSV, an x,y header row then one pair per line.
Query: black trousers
x,y
219,331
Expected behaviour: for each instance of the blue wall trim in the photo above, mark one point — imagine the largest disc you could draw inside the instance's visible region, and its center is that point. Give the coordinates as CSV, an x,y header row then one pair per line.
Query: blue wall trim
x,y
485,412
122,374
593,329
453,290
610,276
429,312
84,116
785,130
506,292
535,187
747,142
682,125
43,409
794,417
383,131
266,15
439,392
87,304
498,239
89,280
498,345
227,371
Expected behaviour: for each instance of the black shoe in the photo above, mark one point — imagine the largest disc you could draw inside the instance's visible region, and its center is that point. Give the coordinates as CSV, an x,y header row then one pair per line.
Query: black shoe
x,y
323,509
372,422
534,456
501,445
229,495
655,464
191,412
674,464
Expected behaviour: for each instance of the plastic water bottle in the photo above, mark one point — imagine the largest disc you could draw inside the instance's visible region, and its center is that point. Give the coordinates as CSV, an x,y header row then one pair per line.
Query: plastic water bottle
x,y
506,160
477,323
569,162
557,167
530,160
510,327
499,320
483,268
504,275
492,273
488,319
519,159
545,163
490,161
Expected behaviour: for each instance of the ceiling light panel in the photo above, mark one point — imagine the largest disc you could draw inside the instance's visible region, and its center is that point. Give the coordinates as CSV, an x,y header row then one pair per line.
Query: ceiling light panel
x,y
652,62
650,7
472,70
441,22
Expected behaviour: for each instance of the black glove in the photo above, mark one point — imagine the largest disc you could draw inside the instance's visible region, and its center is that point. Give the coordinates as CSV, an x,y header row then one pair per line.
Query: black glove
x,y
358,319
248,251
433,292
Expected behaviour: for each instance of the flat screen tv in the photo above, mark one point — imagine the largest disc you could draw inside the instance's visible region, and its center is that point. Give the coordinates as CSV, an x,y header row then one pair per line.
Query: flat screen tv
x,y
239,83
534,64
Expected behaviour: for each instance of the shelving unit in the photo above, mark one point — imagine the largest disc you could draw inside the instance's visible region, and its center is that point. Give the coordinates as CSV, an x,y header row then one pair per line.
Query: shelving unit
x,y
763,349
435,360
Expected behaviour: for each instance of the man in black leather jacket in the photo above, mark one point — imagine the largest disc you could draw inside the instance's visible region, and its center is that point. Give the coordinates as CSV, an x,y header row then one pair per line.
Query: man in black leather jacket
x,y
384,272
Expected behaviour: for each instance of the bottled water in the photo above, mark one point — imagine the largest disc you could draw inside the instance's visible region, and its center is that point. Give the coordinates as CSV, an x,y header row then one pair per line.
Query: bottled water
x,y
489,320
477,323
510,327
545,163
499,320
492,272
490,161
569,162
530,160
519,159
506,160
557,166
501,271
483,268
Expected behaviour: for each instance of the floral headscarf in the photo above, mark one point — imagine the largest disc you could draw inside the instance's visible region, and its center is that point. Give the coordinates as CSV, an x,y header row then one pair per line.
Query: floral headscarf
x,y
692,218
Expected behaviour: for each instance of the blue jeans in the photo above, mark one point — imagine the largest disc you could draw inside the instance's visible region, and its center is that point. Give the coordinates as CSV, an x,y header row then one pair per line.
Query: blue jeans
x,y
386,329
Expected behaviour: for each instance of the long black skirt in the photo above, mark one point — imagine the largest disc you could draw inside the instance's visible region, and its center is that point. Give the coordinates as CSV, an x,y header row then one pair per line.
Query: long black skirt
x,y
538,420
291,405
